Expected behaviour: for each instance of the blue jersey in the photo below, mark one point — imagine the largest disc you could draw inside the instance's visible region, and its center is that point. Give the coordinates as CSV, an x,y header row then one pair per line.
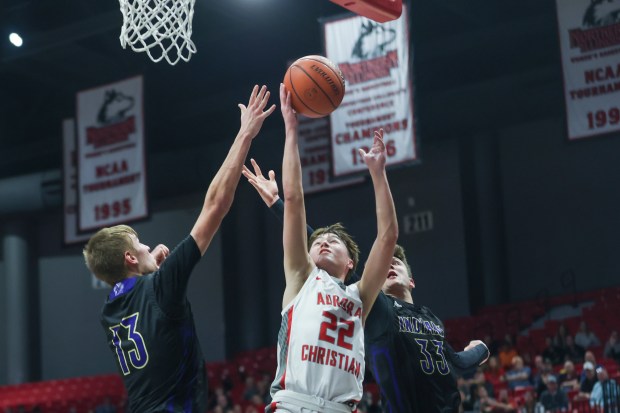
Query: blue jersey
x,y
151,332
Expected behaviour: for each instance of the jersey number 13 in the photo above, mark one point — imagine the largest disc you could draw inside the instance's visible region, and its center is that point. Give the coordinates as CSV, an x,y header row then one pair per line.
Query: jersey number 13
x,y
133,348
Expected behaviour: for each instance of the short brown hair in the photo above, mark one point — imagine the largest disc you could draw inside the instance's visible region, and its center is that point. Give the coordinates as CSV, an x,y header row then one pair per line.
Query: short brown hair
x,y
104,253
339,230
399,252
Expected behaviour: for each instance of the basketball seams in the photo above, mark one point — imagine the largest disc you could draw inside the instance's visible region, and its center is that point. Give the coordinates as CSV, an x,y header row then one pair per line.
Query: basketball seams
x,y
328,63
299,97
317,85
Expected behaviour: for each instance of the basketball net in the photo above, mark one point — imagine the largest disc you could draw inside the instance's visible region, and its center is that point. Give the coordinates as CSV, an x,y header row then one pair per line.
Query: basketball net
x,y
161,28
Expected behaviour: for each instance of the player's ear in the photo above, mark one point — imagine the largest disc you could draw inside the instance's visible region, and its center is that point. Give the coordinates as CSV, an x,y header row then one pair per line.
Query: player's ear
x,y
411,283
130,259
350,264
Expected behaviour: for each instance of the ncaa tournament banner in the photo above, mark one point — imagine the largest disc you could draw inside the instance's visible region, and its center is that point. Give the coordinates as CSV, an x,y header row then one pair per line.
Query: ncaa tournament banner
x,y
315,156
69,184
374,58
590,45
110,153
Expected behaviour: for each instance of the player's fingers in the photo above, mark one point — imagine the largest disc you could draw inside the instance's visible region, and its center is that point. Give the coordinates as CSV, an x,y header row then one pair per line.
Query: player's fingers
x,y
254,184
379,143
269,111
254,94
249,175
272,175
257,169
264,97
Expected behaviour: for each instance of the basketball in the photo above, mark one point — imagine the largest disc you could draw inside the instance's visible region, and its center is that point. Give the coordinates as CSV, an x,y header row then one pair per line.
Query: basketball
x,y
316,85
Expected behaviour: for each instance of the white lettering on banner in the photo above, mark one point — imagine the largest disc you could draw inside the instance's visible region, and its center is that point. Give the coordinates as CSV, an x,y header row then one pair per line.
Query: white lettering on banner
x,y
69,189
111,170
374,59
314,152
590,46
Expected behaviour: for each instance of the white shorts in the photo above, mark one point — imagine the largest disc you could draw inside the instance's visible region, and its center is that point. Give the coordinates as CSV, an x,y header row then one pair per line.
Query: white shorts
x,y
286,401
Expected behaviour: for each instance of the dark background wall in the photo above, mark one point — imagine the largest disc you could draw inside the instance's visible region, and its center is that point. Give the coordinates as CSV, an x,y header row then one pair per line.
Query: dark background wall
x,y
561,202
554,212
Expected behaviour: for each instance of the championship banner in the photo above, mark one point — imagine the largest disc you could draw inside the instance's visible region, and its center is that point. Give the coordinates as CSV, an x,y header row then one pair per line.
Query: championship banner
x,y
69,184
110,153
590,45
315,156
374,59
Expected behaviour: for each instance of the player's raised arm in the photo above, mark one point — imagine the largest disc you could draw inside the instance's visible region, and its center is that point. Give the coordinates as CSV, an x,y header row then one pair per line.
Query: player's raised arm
x,y
297,261
380,256
221,191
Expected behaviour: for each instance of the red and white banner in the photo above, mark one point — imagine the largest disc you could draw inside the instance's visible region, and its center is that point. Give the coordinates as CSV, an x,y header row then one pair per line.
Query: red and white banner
x,y
315,155
374,59
69,184
110,153
590,44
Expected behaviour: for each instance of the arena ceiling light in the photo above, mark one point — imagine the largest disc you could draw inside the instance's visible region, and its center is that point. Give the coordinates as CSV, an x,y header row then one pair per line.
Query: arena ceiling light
x,y
16,39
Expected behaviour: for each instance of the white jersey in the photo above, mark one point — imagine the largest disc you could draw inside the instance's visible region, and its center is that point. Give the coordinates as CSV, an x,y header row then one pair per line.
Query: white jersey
x,y
321,341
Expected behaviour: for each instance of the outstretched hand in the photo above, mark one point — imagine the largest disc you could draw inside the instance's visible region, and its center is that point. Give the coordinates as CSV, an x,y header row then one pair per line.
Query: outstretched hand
x,y
267,188
160,253
288,113
375,157
253,115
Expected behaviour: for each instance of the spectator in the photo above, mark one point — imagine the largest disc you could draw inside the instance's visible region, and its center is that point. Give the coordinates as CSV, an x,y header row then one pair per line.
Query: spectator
x,y
257,402
552,352
503,398
530,405
612,347
481,380
493,371
573,351
538,365
554,397
541,383
250,389
588,380
560,337
492,344
589,356
586,338
519,375
568,379
605,392
507,352
485,403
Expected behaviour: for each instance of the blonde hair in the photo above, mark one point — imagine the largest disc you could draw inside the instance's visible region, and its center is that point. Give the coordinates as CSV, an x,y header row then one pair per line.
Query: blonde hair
x,y
104,253
339,230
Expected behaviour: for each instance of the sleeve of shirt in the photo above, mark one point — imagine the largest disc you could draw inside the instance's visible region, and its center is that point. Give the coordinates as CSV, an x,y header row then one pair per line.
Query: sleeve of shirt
x,y
466,361
170,281
378,320
596,397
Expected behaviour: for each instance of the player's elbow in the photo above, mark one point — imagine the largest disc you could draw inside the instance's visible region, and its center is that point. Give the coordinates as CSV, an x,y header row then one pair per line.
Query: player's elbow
x,y
292,194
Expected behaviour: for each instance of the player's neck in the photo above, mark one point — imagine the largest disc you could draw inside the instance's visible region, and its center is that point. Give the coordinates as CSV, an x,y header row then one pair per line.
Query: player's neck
x,y
402,296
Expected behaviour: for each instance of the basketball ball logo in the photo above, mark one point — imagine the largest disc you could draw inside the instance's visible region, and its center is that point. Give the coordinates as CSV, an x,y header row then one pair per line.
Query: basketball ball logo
x,y
316,85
